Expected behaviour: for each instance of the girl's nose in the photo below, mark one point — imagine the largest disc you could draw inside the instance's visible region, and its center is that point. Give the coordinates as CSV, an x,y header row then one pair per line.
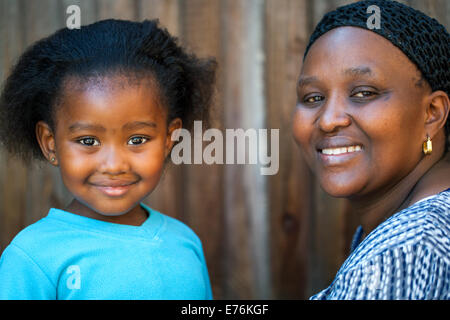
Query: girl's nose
x,y
334,116
114,161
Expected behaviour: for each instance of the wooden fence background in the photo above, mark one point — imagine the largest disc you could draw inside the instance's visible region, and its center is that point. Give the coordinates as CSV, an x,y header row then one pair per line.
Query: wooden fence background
x,y
265,237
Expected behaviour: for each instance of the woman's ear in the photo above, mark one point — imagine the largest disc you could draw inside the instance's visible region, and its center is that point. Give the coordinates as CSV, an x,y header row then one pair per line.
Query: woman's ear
x,y
173,125
46,140
437,112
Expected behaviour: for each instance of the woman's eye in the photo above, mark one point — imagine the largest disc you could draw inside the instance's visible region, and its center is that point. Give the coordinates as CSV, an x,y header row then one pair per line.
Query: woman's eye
x,y
137,140
313,99
90,142
364,94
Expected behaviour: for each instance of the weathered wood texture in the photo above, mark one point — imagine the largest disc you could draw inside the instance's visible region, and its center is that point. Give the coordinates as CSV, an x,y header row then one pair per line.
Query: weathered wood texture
x,y
275,236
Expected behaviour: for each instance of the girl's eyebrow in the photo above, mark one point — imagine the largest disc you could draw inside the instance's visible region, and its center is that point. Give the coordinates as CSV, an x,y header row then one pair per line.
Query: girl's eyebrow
x,y
138,125
85,126
96,127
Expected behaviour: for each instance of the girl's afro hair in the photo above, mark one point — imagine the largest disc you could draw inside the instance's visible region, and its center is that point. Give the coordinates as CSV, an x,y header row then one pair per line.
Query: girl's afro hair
x,y
35,86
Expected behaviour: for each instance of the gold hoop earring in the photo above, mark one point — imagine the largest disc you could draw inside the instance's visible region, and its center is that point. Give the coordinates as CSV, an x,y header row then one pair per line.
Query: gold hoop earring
x,y
427,146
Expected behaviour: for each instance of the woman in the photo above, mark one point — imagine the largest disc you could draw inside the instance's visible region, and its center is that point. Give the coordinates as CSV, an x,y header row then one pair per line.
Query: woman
x,y
372,123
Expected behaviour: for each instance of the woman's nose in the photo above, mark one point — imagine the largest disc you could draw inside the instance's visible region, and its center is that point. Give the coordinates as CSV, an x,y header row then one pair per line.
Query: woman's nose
x,y
334,115
113,161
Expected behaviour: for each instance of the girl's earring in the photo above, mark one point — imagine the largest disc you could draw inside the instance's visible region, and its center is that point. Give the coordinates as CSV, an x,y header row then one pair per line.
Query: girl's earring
x,y
52,159
427,146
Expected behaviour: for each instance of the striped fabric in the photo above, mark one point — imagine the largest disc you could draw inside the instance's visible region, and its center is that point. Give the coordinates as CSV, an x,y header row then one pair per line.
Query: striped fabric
x,y
405,257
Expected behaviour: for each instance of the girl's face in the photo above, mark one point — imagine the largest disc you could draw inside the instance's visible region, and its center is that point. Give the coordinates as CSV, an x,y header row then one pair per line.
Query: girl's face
x,y
111,142
360,114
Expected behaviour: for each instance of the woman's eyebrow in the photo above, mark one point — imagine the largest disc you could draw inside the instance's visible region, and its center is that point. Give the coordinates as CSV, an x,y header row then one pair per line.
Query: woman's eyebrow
x,y
305,80
358,71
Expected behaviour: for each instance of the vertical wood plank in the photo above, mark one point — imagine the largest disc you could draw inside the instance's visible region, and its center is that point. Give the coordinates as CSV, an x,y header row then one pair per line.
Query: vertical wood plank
x,y
12,172
246,210
117,9
286,36
167,11
41,18
204,202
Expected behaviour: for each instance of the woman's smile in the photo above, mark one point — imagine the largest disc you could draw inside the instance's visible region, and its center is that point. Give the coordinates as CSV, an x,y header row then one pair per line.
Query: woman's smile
x,y
338,150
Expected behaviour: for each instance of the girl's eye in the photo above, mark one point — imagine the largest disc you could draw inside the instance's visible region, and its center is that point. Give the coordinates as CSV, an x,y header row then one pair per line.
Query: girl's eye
x,y
90,142
137,140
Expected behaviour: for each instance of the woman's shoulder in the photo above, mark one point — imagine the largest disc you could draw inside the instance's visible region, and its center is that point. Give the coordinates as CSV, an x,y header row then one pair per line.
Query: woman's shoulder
x,y
425,224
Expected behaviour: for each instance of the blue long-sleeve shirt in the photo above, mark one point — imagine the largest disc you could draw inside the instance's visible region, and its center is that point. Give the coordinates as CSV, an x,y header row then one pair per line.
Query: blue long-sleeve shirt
x,y
68,256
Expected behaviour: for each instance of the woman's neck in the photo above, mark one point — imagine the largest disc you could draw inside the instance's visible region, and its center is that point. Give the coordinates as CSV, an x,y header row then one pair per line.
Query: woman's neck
x,y
429,177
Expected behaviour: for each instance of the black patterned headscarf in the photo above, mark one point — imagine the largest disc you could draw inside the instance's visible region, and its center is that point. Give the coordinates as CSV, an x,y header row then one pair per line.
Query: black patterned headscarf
x,y
421,38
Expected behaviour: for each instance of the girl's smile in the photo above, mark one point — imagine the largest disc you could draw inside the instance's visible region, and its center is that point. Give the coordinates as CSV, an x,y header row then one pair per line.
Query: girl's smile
x,y
113,187
111,141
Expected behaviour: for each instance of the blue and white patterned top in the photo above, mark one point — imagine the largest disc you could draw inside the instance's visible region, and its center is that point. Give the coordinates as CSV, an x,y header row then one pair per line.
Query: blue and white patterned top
x,y
405,257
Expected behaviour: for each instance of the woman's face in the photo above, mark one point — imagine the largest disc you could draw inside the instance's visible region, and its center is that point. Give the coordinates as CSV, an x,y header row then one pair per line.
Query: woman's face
x,y
360,114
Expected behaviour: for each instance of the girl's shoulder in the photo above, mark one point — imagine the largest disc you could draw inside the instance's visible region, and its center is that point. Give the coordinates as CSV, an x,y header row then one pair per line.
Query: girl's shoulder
x,y
171,226
34,234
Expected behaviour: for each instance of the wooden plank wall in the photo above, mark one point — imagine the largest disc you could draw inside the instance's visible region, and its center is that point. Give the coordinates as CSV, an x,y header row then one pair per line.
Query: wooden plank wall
x,y
264,237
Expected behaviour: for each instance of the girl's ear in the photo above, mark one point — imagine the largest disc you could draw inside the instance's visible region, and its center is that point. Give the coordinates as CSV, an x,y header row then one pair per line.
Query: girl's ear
x,y
437,112
173,125
46,140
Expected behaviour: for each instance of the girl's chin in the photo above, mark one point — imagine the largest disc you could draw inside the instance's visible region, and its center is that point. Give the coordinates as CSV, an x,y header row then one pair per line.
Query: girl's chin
x,y
114,209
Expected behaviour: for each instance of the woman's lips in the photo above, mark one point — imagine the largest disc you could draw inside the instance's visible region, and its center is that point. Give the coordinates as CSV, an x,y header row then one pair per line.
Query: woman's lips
x,y
339,155
341,150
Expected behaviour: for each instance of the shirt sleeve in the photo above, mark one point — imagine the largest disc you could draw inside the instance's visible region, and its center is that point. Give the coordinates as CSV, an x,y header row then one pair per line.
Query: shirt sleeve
x,y
209,295
201,255
406,272
21,278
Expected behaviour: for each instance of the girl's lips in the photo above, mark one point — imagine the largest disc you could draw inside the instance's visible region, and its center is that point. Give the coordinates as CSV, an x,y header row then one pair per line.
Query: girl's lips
x,y
114,188
114,191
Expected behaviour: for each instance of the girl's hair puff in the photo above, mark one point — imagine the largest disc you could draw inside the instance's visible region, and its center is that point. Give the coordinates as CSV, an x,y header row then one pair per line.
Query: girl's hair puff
x,y
35,86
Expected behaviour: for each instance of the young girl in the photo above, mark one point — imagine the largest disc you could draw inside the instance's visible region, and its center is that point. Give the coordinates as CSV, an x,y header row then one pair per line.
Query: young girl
x,y
372,121
101,103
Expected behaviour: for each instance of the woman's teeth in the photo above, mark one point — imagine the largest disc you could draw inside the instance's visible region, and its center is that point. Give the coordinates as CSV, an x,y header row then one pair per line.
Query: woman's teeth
x,y
341,150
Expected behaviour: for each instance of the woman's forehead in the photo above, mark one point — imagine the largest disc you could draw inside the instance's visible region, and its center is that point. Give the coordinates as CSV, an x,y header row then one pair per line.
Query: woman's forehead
x,y
352,50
